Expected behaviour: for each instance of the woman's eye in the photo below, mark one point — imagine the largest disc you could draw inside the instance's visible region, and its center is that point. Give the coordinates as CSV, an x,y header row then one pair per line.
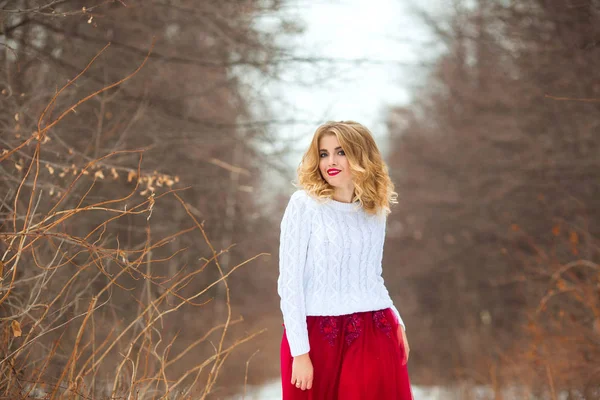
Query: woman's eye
x,y
341,153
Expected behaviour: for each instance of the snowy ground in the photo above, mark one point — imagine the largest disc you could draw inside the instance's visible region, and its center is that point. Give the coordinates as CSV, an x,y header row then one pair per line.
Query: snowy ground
x,y
272,391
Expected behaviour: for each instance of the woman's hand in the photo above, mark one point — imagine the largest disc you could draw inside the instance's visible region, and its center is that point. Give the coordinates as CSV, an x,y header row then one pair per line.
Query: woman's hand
x,y
302,372
402,339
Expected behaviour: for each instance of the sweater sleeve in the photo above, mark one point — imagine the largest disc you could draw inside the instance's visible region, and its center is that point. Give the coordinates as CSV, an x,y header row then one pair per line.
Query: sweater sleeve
x,y
293,248
393,307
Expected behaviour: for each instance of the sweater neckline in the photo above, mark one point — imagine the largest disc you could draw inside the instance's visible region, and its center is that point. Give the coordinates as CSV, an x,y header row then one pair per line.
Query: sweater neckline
x,y
341,206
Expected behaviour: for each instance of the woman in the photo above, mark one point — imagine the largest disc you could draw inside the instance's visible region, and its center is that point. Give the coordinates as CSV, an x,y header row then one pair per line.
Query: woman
x,y
343,338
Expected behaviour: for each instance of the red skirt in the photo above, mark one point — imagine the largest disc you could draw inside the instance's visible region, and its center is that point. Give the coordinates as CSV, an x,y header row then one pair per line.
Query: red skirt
x,y
355,356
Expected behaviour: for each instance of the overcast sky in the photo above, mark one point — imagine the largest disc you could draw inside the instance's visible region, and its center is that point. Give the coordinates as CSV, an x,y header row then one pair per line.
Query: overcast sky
x,y
391,42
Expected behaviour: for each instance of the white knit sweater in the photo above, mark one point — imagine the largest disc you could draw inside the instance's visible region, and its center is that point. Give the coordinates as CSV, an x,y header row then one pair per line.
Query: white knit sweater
x,y
330,256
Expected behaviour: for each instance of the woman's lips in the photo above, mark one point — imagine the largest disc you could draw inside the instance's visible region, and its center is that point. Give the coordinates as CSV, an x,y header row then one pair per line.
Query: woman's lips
x,y
333,172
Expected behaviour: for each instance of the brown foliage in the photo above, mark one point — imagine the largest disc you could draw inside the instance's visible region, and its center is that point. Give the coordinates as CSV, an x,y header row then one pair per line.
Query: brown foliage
x,y
98,248
497,179
52,275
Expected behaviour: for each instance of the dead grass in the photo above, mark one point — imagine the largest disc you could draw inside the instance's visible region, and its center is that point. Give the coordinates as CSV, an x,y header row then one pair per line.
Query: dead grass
x,y
83,316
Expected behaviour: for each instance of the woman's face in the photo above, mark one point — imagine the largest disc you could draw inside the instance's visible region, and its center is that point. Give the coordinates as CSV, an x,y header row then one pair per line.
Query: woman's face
x,y
333,163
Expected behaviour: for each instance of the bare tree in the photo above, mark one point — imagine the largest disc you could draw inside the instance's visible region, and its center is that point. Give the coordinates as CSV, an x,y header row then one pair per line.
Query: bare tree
x,y
78,148
496,178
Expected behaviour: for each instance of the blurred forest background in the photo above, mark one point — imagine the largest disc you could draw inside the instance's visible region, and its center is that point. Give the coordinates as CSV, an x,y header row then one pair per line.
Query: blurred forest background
x,y
138,255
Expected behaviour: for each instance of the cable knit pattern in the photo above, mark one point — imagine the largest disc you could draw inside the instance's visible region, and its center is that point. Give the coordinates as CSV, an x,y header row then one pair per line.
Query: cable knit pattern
x,y
330,257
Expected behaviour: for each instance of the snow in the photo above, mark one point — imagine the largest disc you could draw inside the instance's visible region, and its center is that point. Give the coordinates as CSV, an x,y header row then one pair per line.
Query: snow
x,y
272,391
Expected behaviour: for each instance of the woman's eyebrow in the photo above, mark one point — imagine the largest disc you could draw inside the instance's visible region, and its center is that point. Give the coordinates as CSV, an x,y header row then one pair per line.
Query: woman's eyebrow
x,y
337,148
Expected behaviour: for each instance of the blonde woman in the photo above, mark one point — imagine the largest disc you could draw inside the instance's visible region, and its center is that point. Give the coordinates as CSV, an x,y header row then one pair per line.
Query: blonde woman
x,y
343,339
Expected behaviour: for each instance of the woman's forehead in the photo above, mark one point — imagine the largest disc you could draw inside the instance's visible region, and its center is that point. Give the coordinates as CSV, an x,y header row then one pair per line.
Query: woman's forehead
x,y
329,141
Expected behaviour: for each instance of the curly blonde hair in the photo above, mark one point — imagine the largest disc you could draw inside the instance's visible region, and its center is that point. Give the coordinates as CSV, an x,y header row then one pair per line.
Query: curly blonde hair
x,y
373,187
